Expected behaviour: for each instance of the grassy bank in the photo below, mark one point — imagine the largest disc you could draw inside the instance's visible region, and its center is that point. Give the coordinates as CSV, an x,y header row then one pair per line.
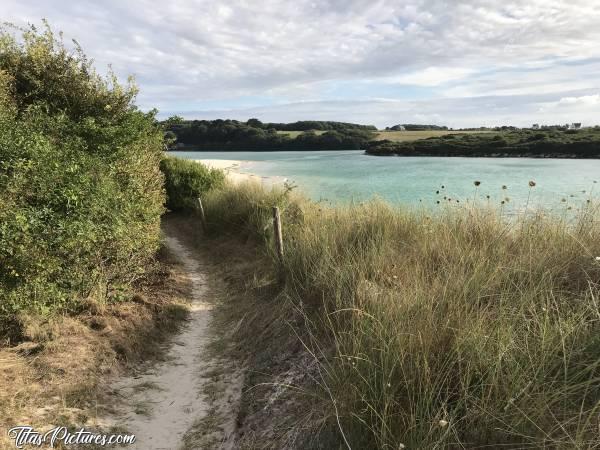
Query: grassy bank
x,y
551,143
458,329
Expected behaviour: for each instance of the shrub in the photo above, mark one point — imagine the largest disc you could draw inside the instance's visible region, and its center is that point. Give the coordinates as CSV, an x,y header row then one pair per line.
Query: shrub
x,y
81,192
187,180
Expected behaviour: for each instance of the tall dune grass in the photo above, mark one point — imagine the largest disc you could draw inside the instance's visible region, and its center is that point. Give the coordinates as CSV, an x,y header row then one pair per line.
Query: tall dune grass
x,y
454,330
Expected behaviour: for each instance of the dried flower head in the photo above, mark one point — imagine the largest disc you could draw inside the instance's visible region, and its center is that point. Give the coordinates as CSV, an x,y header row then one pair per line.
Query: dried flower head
x,y
531,183
504,187
477,183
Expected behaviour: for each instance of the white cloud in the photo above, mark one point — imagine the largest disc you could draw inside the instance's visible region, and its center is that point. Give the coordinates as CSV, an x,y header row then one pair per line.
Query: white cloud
x,y
192,54
432,76
586,100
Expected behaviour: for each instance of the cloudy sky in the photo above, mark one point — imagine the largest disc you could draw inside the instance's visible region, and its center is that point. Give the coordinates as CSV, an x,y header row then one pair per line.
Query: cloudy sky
x,y
457,63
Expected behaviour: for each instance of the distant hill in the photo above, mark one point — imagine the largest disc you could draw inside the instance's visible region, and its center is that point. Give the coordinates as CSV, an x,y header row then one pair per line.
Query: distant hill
x,y
553,143
253,135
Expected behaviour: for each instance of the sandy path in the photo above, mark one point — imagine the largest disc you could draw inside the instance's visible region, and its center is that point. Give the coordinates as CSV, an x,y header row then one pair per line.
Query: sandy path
x,y
164,402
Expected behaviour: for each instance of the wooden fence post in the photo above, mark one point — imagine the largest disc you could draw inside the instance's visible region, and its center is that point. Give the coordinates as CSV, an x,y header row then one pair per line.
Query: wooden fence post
x,y
278,234
201,210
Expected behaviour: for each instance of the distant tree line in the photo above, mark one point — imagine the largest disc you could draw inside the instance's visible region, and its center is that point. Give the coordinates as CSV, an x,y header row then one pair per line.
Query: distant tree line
x,y
550,143
308,125
232,135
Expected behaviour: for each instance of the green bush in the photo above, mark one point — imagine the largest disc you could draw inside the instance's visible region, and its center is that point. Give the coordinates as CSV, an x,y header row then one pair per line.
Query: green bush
x,y
187,180
81,192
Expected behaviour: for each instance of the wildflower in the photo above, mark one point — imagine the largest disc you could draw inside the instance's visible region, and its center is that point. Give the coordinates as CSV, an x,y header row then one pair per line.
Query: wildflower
x,y
388,385
569,207
438,202
401,446
531,183
457,201
502,202
477,183
443,187
437,192
443,423
504,187
597,258
507,199
563,200
487,196
444,197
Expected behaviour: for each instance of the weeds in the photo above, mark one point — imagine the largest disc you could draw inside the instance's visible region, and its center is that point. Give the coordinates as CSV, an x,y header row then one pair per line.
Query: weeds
x,y
457,329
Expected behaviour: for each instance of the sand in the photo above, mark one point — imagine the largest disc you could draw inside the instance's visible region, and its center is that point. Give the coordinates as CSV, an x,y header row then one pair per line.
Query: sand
x,y
237,171
165,402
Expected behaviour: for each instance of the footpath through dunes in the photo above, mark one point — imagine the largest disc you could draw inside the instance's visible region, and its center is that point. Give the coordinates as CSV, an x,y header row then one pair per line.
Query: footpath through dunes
x,y
168,406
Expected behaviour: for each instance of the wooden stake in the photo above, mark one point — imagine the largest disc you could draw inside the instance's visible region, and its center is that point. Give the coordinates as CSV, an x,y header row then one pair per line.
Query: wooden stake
x,y
202,217
278,234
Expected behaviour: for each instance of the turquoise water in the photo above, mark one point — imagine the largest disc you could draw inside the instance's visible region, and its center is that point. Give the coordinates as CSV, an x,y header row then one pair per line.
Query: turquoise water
x,y
342,176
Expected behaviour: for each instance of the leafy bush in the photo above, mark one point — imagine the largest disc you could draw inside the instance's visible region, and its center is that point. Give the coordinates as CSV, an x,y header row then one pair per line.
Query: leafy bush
x,y
187,180
81,192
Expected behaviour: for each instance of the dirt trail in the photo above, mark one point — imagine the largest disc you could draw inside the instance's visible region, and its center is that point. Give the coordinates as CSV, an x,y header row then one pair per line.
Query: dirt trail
x,y
169,399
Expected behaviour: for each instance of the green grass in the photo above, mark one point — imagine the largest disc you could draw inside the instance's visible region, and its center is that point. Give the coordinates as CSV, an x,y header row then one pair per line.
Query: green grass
x,y
295,134
460,328
406,136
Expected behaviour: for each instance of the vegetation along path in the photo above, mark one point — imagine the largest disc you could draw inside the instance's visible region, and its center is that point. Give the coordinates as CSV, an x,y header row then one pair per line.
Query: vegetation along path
x,y
166,402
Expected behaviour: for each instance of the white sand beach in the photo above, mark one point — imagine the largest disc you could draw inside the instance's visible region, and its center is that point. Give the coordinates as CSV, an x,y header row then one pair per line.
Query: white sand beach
x,y
232,169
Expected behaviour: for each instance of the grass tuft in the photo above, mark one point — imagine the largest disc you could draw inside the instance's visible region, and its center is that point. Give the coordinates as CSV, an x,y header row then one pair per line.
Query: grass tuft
x,y
458,329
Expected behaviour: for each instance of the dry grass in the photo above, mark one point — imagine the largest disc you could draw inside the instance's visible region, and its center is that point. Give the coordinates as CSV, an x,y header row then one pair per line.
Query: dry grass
x,y
461,329
58,374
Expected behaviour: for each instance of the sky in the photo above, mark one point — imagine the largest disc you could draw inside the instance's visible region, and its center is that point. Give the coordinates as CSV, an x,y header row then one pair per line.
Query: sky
x,y
462,63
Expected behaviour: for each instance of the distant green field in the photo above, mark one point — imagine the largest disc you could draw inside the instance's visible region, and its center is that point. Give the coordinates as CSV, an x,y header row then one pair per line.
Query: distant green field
x,y
294,134
404,136
396,136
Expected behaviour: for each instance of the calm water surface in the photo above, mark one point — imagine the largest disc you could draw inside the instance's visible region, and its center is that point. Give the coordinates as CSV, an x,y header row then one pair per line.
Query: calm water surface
x,y
342,176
